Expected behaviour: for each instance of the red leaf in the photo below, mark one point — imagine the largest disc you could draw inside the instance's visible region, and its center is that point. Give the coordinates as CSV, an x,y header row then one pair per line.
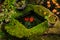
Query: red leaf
x,y
26,19
31,19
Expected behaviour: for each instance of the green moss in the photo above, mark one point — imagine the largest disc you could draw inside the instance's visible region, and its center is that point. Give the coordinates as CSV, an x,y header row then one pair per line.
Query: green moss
x,y
15,28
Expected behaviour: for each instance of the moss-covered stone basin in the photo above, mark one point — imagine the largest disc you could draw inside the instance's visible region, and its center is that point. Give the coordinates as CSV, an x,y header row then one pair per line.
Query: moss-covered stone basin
x,y
16,28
